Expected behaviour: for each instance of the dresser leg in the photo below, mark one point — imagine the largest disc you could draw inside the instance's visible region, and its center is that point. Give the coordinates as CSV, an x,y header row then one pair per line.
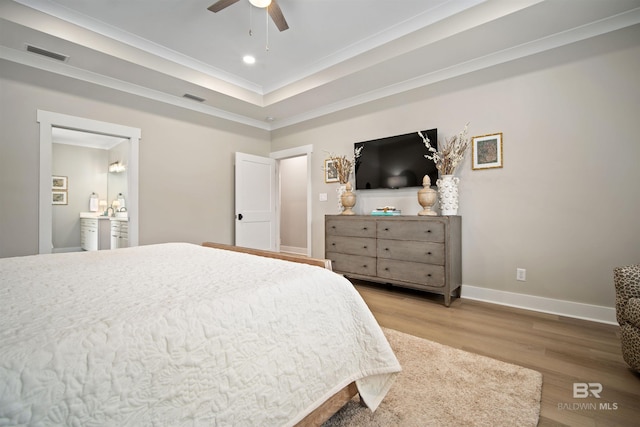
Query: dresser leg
x,y
447,299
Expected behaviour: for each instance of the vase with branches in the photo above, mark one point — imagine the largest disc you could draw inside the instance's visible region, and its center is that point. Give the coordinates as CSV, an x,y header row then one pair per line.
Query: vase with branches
x,y
452,152
343,168
344,165
447,159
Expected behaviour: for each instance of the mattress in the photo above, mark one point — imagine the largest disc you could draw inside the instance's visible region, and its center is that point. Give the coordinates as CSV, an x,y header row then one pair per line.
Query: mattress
x,y
178,334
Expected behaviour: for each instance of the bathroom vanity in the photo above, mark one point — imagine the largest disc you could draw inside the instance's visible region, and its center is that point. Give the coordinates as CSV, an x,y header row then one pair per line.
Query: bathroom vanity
x,y
99,232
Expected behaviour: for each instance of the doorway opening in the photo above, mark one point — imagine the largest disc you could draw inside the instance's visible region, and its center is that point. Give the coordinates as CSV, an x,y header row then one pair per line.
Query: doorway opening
x,y
84,160
294,199
293,205
48,121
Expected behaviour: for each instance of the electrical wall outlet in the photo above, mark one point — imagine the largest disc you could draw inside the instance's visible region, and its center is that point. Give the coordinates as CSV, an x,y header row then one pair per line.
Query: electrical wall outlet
x,y
521,274
322,197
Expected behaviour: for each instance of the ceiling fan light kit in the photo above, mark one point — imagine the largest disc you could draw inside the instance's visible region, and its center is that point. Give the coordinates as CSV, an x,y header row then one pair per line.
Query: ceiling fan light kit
x,y
271,5
260,3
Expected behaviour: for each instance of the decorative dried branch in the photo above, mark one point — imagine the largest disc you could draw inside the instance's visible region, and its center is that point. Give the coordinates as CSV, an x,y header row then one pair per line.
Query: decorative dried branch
x,y
451,154
344,165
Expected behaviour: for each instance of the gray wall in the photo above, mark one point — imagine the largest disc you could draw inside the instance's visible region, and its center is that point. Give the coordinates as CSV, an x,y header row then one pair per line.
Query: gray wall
x,y
565,206
293,199
186,159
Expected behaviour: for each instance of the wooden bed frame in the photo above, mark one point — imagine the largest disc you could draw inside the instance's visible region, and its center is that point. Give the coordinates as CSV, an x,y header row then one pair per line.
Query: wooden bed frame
x,y
338,400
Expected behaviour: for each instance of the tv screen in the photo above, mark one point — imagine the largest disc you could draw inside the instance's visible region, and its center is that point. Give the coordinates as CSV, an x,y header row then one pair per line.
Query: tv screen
x,y
395,162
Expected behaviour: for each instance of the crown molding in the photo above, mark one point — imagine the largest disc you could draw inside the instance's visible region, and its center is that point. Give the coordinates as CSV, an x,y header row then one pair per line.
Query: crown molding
x,y
66,70
580,33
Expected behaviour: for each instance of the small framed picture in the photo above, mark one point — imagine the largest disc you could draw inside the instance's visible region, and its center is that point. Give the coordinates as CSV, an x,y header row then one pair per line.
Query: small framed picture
x,y
59,197
330,171
486,151
59,183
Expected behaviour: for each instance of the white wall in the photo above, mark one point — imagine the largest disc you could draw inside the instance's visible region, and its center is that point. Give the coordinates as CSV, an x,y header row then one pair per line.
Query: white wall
x,y
565,206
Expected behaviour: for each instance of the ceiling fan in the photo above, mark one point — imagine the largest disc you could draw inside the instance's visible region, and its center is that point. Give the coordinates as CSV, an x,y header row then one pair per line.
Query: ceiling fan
x,y
271,5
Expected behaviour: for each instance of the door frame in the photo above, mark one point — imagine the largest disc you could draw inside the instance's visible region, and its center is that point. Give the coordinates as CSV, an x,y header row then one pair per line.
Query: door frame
x,y
286,154
48,120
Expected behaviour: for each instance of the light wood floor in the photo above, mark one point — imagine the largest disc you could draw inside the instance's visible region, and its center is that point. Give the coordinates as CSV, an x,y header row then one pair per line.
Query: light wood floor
x,y
564,350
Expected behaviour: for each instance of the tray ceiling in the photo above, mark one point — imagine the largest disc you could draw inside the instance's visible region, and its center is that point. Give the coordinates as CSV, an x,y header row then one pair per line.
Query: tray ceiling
x,y
336,53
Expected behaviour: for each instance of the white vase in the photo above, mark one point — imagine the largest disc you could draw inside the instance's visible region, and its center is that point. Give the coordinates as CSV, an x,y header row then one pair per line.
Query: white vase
x,y
340,191
448,192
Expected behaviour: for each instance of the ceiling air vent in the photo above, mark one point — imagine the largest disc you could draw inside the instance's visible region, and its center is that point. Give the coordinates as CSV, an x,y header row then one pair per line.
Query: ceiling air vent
x,y
193,97
47,53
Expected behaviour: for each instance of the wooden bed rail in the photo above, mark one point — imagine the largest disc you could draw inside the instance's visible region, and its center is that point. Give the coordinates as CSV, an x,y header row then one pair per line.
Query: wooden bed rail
x,y
324,263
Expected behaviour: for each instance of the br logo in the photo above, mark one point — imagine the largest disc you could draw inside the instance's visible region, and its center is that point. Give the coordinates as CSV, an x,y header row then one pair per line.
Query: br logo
x,y
584,390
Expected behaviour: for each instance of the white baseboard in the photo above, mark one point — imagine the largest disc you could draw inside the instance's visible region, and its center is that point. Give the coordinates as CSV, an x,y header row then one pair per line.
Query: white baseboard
x,y
595,313
293,250
62,250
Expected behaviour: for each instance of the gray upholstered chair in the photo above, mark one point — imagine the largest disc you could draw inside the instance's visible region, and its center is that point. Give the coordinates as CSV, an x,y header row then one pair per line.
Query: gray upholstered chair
x,y
627,283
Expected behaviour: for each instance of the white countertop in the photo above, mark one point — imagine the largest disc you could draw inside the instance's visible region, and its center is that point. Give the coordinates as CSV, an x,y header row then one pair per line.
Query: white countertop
x,y
98,216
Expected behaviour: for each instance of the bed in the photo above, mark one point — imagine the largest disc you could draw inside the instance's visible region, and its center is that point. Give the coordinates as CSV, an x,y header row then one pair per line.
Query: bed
x,y
180,334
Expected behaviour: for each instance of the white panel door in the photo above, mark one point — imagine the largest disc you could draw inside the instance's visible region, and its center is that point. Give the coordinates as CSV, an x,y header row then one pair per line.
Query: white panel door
x,y
255,202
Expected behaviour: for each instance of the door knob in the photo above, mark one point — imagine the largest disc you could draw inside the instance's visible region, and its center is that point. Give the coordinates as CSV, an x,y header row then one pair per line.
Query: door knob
x,y
240,217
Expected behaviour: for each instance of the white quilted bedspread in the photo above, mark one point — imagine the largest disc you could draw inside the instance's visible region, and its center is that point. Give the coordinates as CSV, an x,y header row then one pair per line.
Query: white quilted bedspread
x,y
180,335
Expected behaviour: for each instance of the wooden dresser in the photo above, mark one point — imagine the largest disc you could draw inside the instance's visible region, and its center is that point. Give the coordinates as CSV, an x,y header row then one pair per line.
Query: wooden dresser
x,y
416,252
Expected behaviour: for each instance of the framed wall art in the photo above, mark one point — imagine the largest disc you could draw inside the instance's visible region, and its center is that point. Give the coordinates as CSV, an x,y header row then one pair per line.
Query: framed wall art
x,y
59,183
59,198
486,151
330,171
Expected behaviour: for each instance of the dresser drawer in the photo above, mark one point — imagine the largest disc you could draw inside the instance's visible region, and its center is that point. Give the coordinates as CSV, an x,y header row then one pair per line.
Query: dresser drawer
x,y
351,245
425,274
429,231
355,264
425,252
349,227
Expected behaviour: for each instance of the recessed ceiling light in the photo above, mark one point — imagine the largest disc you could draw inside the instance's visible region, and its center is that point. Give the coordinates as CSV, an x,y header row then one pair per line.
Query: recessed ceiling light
x,y
248,59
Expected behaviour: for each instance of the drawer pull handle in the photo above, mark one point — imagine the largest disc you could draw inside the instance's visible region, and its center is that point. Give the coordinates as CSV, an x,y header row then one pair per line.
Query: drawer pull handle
x,y
429,275
364,266
428,231
333,244
364,247
386,269
386,229
386,249
364,228
428,253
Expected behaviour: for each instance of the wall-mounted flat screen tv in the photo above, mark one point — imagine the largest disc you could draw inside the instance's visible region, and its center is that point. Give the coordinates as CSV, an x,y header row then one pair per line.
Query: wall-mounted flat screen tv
x,y
395,162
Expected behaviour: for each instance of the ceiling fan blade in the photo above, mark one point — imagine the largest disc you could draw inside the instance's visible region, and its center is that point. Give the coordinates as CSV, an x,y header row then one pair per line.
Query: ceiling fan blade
x,y
277,16
221,4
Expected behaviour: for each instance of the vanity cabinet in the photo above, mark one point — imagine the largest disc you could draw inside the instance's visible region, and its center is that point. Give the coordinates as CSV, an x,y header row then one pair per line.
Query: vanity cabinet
x,y
422,253
119,233
94,233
